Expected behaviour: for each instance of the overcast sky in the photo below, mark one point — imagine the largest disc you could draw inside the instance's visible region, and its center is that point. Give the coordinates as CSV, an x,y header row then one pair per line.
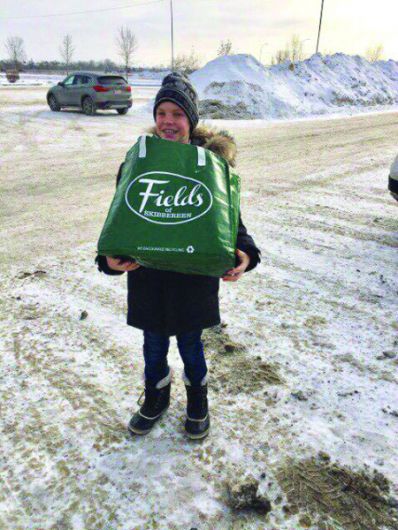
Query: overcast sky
x,y
253,26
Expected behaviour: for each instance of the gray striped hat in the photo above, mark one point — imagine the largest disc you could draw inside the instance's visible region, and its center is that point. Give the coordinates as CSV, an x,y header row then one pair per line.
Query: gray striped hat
x,y
178,89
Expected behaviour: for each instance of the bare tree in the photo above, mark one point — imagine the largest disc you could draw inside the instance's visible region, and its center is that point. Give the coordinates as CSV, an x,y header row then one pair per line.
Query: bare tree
x,y
16,50
225,48
67,50
186,64
280,56
109,66
375,53
127,44
293,51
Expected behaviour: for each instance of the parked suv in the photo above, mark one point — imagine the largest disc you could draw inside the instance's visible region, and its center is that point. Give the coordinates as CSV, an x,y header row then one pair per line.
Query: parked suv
x,y
91,91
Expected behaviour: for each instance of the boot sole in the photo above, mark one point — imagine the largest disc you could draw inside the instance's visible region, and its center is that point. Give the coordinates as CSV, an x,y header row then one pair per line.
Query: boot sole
x,y
146,431
138,431
197,436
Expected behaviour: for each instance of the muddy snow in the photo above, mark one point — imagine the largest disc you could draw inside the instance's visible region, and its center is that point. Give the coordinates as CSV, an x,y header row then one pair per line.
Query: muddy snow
x,y
303,369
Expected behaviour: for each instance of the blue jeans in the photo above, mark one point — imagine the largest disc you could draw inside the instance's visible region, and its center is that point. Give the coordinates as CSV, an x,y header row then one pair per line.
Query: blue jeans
x,y
156,347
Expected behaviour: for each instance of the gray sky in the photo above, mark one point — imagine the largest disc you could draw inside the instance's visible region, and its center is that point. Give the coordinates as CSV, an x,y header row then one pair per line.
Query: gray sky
x,y
349,26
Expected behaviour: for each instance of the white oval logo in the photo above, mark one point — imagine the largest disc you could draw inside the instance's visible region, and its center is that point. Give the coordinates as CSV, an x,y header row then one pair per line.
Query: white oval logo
x,y
168,198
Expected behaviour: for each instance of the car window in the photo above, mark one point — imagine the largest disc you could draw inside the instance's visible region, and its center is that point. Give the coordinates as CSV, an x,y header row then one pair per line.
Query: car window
x,y
69,80
81,80
112,80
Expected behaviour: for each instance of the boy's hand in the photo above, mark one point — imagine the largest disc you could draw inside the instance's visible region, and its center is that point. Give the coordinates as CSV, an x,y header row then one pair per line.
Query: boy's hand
x,y
233,275
118,264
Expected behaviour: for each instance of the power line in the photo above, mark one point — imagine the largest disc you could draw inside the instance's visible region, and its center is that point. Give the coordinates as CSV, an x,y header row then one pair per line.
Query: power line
x,y
129,6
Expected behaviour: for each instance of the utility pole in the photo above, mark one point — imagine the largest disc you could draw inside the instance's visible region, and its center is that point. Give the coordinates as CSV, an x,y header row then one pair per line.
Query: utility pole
x,y
319,30
172,35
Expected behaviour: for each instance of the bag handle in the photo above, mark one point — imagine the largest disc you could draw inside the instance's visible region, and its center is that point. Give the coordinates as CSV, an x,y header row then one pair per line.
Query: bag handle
x,y
201,156
142,151
142,148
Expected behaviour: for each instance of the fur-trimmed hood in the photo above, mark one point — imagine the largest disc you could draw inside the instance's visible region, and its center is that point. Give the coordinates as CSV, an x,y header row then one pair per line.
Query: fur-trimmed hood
x,y
220,142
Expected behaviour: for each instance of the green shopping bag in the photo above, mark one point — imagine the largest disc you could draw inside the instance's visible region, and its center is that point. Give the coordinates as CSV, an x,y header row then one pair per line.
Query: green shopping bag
x,y
176,208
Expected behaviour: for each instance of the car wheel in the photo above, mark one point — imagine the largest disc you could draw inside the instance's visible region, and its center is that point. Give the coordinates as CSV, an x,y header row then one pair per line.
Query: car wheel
x,y
53,103
88,106
123,111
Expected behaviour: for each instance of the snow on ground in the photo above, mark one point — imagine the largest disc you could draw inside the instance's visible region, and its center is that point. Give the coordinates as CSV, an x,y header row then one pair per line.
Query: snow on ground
x,y
34,98
306,360
238,86
37,79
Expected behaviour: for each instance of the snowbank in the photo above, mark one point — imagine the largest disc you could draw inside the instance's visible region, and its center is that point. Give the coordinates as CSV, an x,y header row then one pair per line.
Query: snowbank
x,y
238,86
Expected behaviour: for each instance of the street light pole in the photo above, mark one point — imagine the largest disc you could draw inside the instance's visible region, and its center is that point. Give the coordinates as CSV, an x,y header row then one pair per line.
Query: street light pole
x,y
261,49
172,35
319,30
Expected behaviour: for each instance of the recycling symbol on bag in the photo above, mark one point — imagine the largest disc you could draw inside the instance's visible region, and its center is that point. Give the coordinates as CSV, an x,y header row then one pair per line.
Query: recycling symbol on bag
x,y
190,249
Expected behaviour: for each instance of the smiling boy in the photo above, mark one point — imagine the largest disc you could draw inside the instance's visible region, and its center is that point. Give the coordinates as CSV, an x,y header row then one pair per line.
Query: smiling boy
x,y
165,303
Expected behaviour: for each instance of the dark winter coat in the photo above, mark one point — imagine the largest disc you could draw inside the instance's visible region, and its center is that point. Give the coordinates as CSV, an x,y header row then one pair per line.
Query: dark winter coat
x,y
172,303
393,179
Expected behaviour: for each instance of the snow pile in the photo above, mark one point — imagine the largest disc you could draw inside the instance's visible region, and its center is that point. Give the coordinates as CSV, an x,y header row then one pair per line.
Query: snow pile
x,y
238,86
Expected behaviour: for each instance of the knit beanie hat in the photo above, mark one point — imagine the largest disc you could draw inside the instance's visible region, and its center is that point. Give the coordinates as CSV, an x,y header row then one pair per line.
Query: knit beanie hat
x,y
178,89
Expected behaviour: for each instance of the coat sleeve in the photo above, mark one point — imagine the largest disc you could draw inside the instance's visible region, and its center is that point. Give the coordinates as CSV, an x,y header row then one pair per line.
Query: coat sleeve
x,y
101,262
246,243
393,179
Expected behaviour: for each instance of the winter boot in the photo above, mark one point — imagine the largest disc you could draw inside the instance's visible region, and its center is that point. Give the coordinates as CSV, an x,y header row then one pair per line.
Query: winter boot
x,y
156,402
197,424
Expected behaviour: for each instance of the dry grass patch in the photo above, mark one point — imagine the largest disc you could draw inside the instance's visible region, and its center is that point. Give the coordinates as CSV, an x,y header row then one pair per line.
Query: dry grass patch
x,y
233,370
340,497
